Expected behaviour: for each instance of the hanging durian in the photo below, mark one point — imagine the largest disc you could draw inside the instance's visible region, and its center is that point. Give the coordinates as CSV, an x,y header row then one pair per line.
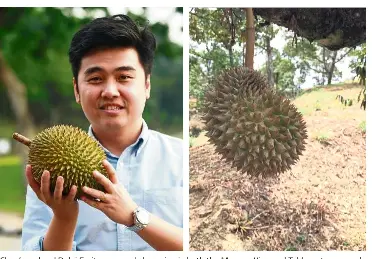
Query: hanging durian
x,y
257,130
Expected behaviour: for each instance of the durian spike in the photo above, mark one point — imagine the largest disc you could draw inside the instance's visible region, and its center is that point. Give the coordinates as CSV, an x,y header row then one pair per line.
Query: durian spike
x,y
22,139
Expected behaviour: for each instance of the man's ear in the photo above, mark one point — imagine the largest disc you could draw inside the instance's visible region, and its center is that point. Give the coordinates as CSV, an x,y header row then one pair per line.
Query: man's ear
x,y
147,87
76,90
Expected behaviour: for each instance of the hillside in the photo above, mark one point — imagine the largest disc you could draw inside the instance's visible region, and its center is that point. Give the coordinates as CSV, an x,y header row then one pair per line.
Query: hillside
x,y
318,205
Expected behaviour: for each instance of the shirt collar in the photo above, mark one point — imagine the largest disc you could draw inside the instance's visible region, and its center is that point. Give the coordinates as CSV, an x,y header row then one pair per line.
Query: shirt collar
x,y
136,147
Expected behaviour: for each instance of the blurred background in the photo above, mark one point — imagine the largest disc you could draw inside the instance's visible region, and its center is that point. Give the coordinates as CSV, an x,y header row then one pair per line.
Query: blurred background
x,y
36,87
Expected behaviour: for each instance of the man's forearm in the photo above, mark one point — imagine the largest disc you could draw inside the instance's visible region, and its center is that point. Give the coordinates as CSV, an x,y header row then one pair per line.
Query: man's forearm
x,y
60,235
162,236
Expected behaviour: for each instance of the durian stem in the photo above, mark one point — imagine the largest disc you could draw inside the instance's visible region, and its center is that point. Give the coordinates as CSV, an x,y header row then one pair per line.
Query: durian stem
x,y
249,54
22,139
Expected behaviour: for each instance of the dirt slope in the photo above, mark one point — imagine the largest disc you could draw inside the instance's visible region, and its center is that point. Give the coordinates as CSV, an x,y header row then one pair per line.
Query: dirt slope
x,y
318,205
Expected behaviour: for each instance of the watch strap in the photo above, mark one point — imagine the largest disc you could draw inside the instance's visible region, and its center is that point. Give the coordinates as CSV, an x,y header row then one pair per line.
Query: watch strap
x,y
135,228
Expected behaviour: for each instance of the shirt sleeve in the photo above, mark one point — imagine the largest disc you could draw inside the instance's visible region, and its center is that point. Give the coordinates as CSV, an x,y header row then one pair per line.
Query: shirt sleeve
x,y
36,221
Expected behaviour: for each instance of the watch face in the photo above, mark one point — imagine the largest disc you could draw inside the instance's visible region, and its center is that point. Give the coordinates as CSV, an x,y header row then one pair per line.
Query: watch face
x,y
143,216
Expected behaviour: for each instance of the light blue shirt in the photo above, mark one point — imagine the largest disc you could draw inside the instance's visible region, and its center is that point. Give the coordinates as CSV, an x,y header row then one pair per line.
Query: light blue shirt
x,y
151,171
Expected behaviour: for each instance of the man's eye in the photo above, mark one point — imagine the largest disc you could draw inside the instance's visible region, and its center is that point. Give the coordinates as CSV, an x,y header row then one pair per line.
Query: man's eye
x,y
124,77
94,79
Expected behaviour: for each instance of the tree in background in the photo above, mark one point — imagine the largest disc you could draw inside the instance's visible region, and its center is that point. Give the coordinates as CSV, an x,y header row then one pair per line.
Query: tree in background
x,y
216,44
310,56
265,33
358,65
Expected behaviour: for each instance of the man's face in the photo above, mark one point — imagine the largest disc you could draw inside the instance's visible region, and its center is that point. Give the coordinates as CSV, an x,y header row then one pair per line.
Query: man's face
x,y
112,88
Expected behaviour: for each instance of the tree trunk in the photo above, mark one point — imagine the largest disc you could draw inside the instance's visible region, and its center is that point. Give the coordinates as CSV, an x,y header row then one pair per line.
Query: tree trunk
x,y
244,49
231,56
209,69
269,66
332,68
18,98
250,38
325,68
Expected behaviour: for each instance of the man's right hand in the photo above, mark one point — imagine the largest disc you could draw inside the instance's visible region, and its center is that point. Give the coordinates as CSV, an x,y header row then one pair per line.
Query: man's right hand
x,y
64,208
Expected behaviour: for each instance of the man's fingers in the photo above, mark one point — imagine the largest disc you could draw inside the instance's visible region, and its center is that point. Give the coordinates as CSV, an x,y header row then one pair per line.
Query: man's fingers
x,y
58,188
106,183
45,185
93,203
71,195
95,193
35,186
110,171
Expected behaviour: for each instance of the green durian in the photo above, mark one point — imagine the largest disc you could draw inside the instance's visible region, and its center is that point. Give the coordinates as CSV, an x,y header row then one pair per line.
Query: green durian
x,y
65,151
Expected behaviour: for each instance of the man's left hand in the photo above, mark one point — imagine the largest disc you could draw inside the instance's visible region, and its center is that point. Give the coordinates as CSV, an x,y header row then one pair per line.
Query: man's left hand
x,y
116,203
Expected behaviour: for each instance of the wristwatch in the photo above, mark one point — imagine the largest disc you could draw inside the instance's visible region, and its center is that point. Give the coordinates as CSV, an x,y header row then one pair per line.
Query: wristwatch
x,y
141,219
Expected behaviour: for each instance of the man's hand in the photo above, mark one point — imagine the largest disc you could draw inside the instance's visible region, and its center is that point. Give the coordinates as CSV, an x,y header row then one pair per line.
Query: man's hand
x,y
60,233
119,206
116,203
64,208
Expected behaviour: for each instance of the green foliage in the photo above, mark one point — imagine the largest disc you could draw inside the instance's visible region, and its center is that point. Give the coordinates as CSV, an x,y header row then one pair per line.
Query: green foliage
x,y
358,62
362,97
344,101
35,44
191,141
311,57
217,38
322,138
264,32
198,80
358,65
285,73
215,45
301,239
221,25
6,128
362,126
11,185
291,247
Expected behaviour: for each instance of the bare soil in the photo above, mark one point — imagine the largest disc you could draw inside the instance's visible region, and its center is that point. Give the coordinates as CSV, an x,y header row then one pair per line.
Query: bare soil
x,y
318,205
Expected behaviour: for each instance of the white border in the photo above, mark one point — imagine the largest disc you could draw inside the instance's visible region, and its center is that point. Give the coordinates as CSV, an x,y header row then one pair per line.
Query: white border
x,y
185,255
212,254
186,4
186,174
368,141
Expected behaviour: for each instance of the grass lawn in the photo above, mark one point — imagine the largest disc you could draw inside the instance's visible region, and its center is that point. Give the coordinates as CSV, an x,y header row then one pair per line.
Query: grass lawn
x,y
11,185
322,101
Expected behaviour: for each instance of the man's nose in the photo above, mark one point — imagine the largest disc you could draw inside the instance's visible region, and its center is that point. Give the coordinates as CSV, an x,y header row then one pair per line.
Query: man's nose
x,y
110,89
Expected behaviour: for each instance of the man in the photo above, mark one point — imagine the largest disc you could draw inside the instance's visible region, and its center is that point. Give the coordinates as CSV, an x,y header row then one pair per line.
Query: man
x,y
111,60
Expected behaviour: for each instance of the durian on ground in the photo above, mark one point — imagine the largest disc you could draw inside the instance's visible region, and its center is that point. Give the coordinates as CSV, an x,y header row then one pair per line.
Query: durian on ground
x,y
65,151
255,129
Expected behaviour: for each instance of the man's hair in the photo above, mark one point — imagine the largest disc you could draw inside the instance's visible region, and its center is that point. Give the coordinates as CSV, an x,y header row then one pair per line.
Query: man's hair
x,y
111,32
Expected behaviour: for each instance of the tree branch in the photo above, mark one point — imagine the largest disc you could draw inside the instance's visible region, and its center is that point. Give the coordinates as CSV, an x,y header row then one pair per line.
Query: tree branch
x,y
324,63
315,70
342,56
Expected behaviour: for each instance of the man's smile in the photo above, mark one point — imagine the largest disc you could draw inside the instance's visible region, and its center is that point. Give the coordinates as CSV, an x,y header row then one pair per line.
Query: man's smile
x,y
111,107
